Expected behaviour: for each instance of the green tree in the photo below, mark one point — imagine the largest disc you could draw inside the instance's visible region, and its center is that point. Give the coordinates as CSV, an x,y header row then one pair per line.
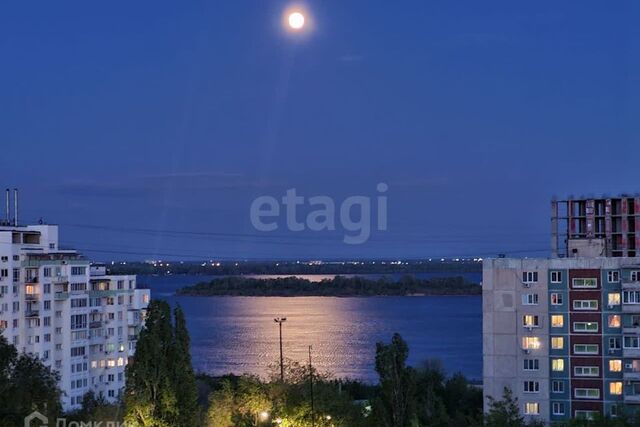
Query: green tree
x,y
26,385
395,406
183,377
150,398
222,406
504,412
431,409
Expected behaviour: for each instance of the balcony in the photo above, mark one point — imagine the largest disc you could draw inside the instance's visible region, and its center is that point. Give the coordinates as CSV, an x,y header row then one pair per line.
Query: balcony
x,y
631,352
631,376
631,308
31,297
630,284
61,296
31,313
60,280
95,324
632,398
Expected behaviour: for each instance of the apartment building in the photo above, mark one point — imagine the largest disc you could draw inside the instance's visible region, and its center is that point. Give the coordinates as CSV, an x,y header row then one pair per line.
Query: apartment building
x,y
70,313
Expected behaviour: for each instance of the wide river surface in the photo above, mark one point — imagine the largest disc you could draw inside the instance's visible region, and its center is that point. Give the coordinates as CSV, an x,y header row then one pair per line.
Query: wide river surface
x,y
238,334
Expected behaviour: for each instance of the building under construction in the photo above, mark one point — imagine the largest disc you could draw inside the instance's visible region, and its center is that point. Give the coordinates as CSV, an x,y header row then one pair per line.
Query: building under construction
x,y
606,227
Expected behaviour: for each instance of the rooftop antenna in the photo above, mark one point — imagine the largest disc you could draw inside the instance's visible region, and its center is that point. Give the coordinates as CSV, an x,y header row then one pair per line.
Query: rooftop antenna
x,y
8,206
15,207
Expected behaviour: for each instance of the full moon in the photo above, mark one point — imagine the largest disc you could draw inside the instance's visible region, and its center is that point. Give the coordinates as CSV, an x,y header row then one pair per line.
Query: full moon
x,y
296,20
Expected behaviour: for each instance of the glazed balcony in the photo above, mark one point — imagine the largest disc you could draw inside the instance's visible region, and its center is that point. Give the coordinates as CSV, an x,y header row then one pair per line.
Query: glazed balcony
x,y
61,296
31,297
632,398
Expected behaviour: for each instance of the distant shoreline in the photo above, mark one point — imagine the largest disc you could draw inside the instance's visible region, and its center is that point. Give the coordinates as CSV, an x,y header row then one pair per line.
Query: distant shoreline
x,y
339,286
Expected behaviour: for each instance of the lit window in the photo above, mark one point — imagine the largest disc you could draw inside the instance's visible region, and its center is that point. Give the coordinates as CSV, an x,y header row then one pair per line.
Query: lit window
x,y
615,388
614,298
530,343
557,321
557,343
557,365
615,365
614,320
530,321
531,408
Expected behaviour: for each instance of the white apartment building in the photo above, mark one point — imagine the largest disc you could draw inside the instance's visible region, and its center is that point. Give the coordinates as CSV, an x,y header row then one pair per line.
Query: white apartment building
x,y
58,306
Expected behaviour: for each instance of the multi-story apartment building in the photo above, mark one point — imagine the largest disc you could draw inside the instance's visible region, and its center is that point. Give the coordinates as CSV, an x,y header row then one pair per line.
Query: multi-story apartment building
x,y
58,306
563,333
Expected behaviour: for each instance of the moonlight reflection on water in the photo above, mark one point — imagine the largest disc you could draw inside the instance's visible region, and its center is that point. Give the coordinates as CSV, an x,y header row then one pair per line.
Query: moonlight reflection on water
x,y
238,335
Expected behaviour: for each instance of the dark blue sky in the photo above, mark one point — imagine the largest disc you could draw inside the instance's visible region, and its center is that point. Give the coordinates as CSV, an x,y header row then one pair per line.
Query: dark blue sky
x,y
176,115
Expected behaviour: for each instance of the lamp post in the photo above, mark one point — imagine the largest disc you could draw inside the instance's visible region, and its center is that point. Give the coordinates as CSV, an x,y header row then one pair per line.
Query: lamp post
x,y
313,416
280,321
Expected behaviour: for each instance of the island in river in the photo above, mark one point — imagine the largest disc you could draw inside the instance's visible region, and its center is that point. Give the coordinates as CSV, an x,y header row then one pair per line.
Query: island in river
x,y
338,286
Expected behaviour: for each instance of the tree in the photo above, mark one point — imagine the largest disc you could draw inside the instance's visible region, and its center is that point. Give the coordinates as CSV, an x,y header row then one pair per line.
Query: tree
x,y
505,412
183,377
221,406
96,408
395,406
26,385
431,409
150,398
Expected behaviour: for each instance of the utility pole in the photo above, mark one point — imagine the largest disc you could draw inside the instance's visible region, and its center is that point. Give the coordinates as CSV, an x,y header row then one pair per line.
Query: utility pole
x,y
313,416
280,321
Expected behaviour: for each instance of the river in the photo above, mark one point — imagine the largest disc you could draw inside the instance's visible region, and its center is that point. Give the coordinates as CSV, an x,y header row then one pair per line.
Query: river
x,y
238,334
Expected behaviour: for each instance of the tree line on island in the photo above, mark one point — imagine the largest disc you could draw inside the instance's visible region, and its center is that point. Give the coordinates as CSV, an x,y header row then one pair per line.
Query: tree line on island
x,y
162,390
339,286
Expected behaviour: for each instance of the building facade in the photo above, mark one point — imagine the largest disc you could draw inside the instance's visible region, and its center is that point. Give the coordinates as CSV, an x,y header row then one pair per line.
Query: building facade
x,y
58,306
563,334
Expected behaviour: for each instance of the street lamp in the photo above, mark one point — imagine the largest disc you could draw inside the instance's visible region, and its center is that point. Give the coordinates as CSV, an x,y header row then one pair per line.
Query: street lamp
x,y
280,321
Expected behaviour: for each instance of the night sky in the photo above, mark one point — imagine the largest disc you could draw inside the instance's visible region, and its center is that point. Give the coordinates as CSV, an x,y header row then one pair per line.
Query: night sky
x,y
146,129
